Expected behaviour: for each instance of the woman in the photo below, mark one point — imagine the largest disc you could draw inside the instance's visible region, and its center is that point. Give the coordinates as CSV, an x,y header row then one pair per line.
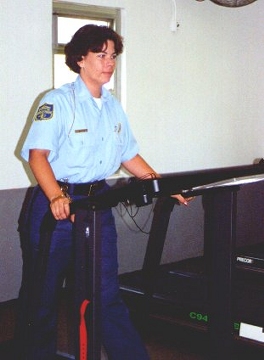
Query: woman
x,y
79,136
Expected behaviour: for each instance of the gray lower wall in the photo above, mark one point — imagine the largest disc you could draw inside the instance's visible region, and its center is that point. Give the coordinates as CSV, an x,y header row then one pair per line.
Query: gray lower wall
x,y
10,253
184,237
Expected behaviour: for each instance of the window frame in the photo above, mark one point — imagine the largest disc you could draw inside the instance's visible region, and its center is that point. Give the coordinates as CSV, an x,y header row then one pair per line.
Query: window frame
x,y
91,12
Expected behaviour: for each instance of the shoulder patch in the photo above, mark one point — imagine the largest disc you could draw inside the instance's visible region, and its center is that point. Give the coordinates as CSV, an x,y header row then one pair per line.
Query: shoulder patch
x,y
45,112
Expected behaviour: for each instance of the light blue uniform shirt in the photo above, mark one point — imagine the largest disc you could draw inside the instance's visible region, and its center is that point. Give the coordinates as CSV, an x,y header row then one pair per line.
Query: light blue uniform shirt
x,y
86,143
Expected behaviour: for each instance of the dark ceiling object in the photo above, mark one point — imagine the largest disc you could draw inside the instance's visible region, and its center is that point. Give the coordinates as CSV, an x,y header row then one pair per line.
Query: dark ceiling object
x,y
233,3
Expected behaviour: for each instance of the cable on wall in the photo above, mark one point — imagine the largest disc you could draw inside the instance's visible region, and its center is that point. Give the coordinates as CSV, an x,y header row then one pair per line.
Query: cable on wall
x,y
173,23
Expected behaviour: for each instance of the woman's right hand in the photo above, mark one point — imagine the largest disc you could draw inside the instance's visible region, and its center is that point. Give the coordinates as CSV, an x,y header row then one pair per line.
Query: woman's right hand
x,y
60,207
40,166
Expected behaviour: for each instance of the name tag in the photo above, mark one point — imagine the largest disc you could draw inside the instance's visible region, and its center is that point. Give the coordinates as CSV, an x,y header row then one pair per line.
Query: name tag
x,y
81,130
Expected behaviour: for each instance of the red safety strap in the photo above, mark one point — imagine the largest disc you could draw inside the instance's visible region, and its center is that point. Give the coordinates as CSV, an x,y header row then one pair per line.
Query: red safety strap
x,y
83,331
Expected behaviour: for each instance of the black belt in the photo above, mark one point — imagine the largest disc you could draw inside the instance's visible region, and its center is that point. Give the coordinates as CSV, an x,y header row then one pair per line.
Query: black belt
x,y
82,189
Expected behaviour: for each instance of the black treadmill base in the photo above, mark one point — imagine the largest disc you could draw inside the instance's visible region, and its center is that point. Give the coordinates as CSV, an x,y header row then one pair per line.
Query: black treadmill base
x,y
180,295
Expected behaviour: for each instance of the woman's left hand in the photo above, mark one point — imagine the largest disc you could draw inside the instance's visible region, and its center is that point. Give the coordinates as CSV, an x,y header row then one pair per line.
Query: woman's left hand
x,y
182,200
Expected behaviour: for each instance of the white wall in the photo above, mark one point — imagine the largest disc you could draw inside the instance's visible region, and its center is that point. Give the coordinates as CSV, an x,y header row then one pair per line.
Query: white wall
x,y
26,71
194,97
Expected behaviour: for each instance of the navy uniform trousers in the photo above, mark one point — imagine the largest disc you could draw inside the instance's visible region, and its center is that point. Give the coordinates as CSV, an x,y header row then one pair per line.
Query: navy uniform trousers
x,y
36,330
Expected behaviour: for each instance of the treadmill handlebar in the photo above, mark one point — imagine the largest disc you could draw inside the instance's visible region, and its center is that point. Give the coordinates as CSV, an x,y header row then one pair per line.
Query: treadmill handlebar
x,y
190,183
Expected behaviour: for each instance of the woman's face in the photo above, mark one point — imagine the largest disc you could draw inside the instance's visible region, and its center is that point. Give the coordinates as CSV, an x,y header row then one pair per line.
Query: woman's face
x,y
97,68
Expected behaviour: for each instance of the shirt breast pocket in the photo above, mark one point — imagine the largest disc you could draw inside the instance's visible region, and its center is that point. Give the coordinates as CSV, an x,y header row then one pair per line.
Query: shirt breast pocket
x,y
81,138
80,147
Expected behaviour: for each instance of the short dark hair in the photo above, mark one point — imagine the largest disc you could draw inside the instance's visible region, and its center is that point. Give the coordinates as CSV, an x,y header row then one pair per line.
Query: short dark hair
x,y
90,38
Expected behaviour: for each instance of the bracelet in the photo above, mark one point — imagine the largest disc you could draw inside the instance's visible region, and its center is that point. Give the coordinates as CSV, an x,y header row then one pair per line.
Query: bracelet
x,y
61,196
57,197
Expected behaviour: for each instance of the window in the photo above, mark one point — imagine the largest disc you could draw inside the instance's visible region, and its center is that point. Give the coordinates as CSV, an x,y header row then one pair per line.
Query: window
x,y
67,19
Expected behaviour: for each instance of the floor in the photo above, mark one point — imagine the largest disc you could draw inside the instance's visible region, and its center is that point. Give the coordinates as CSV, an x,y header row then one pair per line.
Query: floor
x,y
163,341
